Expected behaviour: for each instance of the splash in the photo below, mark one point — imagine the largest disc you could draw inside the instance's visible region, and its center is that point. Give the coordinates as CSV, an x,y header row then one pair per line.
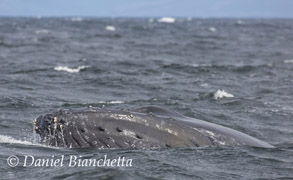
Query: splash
x,y
11,140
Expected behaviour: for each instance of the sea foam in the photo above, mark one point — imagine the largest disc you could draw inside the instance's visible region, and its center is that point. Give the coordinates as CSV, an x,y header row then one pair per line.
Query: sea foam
x,y
110,28
166,20
68,69
220,94
111,102
212,29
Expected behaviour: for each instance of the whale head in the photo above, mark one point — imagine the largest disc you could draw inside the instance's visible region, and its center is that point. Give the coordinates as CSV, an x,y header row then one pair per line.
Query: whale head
x,y
50,129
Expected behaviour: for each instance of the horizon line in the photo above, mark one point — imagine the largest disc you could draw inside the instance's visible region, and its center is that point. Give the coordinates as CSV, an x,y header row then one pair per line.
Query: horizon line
x,y
179,17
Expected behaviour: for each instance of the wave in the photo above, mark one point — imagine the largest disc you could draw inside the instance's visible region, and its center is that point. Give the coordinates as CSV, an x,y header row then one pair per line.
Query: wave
x,y
92,105
236,68
201,65
220,94
70,70
16,102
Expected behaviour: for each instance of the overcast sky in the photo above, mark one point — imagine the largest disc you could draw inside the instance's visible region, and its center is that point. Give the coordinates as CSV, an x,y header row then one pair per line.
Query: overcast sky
x,y
148,8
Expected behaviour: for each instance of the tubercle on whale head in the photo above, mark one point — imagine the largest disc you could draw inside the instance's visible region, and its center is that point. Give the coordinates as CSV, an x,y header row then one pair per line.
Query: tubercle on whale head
x,y
48,126
51,126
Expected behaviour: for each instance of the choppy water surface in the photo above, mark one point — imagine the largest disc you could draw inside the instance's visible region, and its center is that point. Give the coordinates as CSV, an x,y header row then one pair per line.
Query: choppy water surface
x,y
237,73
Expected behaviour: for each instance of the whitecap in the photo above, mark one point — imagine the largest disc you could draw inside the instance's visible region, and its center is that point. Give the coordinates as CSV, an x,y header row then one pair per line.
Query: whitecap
x,y
201,65
195,65
111,102
166,20
288,61
220,94
212,29
110,28
70,70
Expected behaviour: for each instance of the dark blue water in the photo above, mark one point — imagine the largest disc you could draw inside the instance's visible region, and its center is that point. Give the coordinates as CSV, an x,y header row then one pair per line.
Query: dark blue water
x,y
236,73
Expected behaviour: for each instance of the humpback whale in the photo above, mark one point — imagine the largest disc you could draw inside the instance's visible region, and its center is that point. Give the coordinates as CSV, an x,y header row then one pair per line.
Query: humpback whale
x,y
142,128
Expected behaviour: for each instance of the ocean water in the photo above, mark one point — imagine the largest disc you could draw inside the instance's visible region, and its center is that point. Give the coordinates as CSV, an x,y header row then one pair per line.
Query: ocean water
x,y
233,72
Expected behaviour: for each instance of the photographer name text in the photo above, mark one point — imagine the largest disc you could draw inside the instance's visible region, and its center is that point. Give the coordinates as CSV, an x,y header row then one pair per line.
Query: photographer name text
x,y
68,160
